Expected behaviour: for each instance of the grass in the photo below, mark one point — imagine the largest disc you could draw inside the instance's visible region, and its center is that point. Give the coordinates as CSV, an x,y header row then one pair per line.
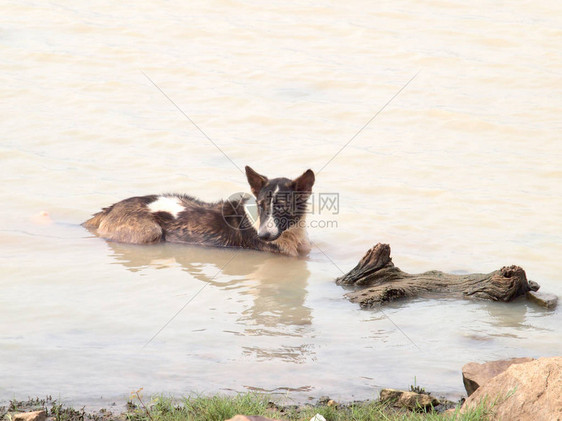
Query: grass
x,y
222,407
416,388
52,408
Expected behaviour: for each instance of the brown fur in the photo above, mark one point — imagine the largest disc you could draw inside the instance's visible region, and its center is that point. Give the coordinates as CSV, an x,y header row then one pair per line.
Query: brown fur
x,y
293,242
127,222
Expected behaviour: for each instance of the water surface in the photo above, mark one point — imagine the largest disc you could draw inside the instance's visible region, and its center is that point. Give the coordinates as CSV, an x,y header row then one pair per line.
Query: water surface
x,y
460,172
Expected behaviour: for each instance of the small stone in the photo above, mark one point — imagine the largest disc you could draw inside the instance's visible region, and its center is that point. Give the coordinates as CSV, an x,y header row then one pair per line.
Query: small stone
x,y
475,375
409,400
332,402
543,299
30,416
390,395
533,285
323,400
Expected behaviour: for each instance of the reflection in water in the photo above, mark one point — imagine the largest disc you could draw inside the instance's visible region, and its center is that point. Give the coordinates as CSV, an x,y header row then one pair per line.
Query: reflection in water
x,y
293,354
514,324
502,314
277,285
279,390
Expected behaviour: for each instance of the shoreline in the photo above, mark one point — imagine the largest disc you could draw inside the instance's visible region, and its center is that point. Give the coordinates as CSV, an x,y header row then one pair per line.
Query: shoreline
x,y
143,408
94,402
120,403
518,388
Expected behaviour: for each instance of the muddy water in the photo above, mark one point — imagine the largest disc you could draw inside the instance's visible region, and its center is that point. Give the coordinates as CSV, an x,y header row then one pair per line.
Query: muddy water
x,y
460,172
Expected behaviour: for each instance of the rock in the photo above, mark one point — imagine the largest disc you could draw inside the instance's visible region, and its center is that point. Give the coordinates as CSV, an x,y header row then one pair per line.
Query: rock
x,y
410,400
249,418
534,286
543,299
323,400
30,416
530,391
326,401
475,375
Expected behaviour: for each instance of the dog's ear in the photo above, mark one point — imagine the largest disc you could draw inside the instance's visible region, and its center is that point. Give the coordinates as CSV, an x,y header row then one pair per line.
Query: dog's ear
x,y
304,183
255,180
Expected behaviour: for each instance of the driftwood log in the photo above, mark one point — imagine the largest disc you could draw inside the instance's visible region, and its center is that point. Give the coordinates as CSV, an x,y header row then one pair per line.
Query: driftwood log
x,y
378,281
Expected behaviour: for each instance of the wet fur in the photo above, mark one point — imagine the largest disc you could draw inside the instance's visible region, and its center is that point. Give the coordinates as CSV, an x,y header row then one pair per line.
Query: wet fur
x,y
219,224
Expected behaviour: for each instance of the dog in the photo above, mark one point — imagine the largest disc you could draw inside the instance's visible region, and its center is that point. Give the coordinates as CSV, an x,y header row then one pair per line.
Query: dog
x,y
278,228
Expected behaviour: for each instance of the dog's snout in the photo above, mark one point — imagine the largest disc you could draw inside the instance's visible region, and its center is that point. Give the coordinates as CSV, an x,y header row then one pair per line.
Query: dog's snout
x,y
266,235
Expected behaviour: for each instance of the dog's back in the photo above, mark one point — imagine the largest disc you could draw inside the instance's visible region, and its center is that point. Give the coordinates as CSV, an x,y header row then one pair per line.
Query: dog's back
x,y
173,218
128,221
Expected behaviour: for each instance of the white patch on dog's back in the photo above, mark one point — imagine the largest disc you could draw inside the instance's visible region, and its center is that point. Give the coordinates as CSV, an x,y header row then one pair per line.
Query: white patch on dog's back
x,y
172,205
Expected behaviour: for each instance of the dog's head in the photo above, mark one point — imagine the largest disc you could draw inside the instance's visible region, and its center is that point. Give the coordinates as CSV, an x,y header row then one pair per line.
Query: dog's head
x,y
281,201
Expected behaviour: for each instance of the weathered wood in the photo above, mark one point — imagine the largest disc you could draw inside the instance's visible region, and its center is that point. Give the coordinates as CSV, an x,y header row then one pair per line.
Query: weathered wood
x,y
381,282
543,299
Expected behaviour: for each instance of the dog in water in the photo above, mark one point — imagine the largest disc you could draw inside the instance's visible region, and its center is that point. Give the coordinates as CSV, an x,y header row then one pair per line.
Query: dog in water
x,y
279,226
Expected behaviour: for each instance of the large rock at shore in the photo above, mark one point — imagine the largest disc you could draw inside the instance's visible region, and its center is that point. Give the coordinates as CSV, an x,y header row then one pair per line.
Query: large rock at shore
x,y
475,375
410,400
30,416
530,391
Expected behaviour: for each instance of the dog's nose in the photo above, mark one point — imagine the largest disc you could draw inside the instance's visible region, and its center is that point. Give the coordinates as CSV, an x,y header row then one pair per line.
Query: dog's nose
x,y
266,235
